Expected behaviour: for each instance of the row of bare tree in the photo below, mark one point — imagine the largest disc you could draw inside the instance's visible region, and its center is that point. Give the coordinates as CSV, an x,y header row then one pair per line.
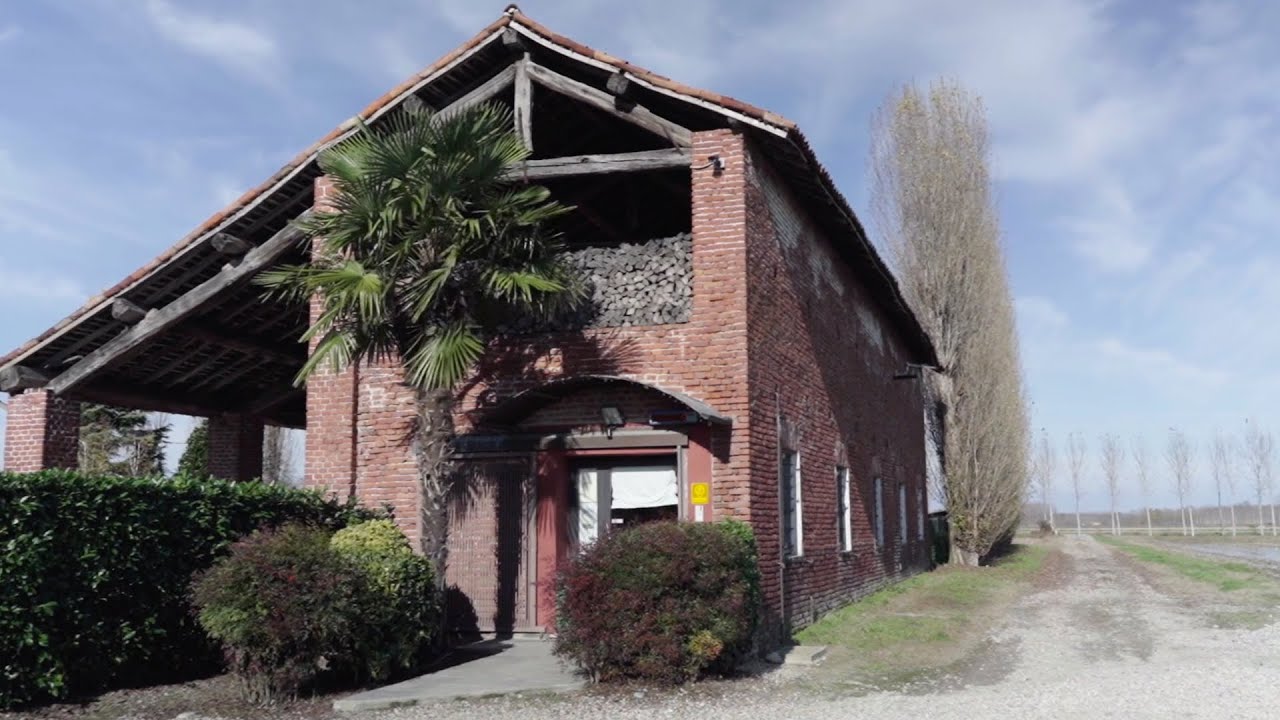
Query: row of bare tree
x,y
931,195
1235,465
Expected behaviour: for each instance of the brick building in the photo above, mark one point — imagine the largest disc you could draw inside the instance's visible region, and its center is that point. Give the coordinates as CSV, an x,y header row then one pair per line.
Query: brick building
x,y
745,352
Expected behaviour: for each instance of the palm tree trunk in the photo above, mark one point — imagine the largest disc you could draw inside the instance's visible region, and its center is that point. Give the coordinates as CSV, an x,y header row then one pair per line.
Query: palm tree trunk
x,y
1149,531
432,438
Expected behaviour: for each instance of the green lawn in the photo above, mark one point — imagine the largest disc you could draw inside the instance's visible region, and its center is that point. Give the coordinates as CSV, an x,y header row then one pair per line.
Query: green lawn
x,y
1226,575
928,610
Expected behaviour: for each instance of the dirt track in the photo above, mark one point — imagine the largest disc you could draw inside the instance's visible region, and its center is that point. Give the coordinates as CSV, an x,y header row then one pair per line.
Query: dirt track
x,y
1097,639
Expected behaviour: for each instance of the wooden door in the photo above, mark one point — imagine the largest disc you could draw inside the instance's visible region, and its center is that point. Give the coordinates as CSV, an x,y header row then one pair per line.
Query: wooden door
x,y
490,573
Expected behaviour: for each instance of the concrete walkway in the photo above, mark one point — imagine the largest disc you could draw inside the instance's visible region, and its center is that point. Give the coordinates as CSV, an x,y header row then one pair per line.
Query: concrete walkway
x,y
491,667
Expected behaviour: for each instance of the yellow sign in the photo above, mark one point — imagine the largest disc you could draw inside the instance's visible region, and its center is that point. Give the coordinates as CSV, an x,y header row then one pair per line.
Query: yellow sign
x,y
700,493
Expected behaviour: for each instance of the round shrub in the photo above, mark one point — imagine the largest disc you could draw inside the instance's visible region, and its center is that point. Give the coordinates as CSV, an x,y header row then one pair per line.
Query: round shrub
x,y
664,602
285,607
405,619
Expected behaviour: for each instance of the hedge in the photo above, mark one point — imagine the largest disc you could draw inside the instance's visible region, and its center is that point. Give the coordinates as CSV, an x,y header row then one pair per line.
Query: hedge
x,y
95,574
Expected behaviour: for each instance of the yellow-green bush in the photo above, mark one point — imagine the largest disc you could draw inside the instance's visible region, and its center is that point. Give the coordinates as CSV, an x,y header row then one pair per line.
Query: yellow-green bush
x,y
400,630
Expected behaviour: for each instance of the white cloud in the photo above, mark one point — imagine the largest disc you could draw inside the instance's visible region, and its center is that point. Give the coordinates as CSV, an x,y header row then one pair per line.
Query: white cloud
x,y
36,286
241,47
1037,313
1156,366
8,33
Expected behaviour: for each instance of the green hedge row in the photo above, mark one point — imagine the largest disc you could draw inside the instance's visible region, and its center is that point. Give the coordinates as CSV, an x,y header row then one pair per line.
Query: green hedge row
x,y
95,574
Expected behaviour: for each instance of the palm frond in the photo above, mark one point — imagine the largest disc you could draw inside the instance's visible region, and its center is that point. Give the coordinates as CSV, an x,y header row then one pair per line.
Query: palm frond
x,y
443,358
426,244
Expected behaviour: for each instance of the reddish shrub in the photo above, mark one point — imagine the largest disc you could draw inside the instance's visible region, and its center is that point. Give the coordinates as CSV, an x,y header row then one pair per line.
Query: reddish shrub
x,y
285,607
664,601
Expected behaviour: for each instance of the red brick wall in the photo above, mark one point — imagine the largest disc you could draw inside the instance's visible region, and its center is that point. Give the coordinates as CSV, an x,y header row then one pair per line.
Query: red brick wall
x,y
822,361
779,329
330,458
235,447
386,471
41,432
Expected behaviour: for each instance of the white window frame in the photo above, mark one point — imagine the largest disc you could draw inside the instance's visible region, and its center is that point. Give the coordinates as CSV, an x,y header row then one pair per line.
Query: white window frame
x,y
920,516
902,514
878,511
844,509
793,495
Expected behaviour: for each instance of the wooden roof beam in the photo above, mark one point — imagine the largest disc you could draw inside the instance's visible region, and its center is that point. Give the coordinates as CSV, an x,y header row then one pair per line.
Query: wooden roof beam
x,y
486,91
127,311
216,336
633,113
16,378
524,103
158,321
618,85
229,244
574,165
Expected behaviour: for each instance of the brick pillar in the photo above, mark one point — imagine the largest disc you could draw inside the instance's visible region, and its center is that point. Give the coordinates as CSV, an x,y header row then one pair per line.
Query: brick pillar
x,y
235,447
720,312
42,432
331,407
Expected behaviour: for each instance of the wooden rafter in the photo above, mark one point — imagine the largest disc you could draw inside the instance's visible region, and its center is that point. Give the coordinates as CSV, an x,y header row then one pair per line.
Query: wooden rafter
x,y
544,169
267,403
254,348
162,319
127,312
485,91
17,378
633,113
229,244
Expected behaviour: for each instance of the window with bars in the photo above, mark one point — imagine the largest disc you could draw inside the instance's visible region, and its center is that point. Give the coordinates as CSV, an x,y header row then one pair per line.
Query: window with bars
x,y
792,506
844,512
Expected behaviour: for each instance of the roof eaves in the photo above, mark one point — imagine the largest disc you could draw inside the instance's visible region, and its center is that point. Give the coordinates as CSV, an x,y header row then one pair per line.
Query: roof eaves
x,y
247,201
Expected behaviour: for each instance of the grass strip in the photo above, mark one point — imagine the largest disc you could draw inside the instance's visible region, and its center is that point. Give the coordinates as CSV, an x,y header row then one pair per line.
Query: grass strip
x,y
933,607
1226,575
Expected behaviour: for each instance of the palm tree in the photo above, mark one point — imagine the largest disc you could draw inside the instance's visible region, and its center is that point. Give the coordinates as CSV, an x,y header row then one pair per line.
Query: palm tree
x,y
427,247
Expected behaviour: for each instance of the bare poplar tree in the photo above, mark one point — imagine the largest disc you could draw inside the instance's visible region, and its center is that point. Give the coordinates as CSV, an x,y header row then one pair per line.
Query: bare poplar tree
x,y
1140,461
1259,450
1112,464
932,197
1220,462
1178,455
1076,450
1046,465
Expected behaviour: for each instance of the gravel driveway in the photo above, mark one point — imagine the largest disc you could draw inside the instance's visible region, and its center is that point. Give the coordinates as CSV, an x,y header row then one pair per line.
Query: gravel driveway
x,y
1097,642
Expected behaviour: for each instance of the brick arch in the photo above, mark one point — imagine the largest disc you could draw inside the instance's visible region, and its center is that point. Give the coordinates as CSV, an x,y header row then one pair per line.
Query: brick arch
x,y
576,401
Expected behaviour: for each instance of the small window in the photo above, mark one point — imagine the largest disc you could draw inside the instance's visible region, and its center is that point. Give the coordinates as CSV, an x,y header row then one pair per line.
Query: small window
x,y
902,513
792,515
921,514
844,514
878,512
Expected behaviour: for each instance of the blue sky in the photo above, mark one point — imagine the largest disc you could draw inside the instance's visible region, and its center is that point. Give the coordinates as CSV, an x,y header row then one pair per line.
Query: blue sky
x,y
1137,147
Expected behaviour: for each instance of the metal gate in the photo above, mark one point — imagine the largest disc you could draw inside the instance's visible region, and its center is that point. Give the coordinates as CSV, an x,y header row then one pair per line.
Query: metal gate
x,y
491,572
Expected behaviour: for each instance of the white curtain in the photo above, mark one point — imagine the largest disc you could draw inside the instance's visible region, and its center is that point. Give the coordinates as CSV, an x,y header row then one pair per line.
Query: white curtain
x,y
643,487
